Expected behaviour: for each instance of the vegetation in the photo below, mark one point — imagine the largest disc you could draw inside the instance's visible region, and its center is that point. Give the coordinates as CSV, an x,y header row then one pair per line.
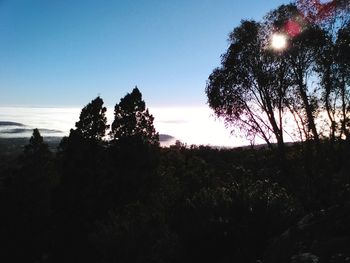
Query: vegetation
x,y
259,89
114,195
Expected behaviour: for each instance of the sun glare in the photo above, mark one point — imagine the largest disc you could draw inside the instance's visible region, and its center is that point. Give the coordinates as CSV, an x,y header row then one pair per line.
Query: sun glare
x,y
278,41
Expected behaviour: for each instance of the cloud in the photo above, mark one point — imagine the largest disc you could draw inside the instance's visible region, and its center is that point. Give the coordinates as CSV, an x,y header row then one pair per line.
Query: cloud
x,y
18,129
190,125
26,130
11,123
165,137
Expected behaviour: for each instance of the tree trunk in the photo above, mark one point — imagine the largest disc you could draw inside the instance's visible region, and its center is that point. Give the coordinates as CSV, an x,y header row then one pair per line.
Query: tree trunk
x,y
330,117
343,122
310,117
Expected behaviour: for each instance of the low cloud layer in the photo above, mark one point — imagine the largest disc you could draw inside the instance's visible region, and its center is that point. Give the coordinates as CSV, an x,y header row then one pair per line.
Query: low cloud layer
x,y
10,129
190,125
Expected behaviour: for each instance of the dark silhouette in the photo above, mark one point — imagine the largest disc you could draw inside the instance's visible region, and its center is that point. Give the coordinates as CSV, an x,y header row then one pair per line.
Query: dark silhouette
x,y
98,201
258,87
249,90
123,198
77,197
92,121
26,205
133,120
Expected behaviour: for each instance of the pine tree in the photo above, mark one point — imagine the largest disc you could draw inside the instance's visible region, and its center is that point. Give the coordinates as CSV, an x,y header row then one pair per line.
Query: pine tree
x,y
36,146
92,122
133,120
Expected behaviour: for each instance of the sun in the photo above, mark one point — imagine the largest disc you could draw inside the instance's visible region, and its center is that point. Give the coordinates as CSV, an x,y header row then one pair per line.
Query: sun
x,y
278,41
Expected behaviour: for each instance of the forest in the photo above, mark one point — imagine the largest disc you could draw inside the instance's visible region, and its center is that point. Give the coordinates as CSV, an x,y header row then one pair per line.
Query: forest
x,y
110,193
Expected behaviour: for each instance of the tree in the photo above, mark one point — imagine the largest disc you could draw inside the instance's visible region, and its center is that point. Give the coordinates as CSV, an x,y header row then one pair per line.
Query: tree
x,y
27,211
133,120
36,145
78,202
326,14
333,18
343,61
92,121
303,47
134,149
249,88
301,60
256,87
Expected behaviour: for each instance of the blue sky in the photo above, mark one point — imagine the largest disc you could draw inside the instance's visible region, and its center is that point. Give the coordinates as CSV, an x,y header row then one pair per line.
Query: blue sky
x,y
65,52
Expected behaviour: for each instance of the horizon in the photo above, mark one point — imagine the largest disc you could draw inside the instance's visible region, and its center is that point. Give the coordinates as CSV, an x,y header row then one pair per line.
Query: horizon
x,y
173,121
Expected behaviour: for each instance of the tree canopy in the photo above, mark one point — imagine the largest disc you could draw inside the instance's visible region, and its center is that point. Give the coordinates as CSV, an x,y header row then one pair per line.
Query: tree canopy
x,y
132,120
273,93
92,121
249,89
36,144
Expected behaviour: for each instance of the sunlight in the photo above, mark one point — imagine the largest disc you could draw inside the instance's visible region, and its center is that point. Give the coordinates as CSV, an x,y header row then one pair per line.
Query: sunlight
x,y
279,41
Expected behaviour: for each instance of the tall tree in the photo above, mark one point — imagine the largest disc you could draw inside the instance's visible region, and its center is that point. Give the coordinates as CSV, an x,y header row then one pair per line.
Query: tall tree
x,y
303,47
77,200
92,120
37,146
301,60
332,60
133,120
343,61
134,149
328,73
249,88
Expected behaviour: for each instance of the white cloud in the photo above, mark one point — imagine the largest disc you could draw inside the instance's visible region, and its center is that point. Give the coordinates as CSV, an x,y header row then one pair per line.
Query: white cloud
x,y
191,125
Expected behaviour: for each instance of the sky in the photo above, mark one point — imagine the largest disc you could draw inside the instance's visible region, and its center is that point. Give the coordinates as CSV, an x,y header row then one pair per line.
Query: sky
x,y
64,53
61,54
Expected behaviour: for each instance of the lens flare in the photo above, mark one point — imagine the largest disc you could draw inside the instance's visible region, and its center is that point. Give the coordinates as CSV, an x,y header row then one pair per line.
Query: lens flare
x,y
292,28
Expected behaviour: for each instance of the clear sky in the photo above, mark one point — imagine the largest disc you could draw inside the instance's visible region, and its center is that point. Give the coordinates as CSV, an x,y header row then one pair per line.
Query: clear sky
x,y
66,52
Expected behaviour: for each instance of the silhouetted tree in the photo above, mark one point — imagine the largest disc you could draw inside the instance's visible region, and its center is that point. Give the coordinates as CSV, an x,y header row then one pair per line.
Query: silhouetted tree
x,y
36,146
255,87
134,149
327,14
303,48
328,72
92,120
333,17
133,120
78,202
342,47
249,89
28,204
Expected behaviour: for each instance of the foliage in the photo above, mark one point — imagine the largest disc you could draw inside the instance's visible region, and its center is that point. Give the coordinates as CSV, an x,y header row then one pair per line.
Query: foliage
x,y
92,121
257,88
250,87
133,120
26,207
